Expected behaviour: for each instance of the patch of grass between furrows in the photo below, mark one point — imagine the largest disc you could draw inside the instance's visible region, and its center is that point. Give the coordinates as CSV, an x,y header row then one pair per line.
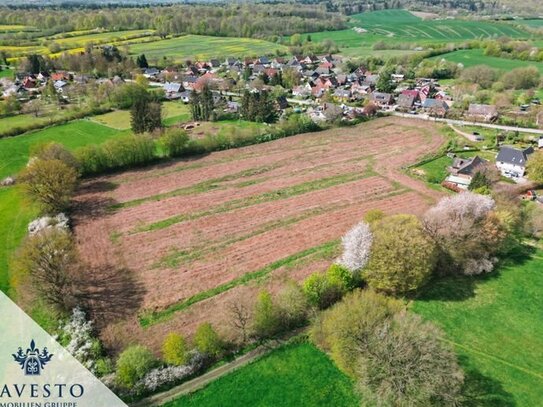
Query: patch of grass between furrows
x,y
271,196
176,257
325,250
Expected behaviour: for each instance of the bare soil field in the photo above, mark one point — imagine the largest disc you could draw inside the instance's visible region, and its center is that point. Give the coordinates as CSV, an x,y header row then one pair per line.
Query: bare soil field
x,y
170,246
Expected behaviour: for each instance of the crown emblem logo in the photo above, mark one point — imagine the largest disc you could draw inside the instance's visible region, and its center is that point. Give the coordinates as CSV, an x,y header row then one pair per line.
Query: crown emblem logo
x,y
32,361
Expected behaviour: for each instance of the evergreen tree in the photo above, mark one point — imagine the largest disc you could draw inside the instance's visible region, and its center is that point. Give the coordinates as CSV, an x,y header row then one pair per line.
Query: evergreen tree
x,y
141,61
206,100
146,115
195,108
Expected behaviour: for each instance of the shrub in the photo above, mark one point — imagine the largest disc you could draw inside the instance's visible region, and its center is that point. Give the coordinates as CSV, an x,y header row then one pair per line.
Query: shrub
x,y
50,183
535,167
174,142
293,307
207,340
117,153
133,363
356,247
402,257
54,151
373,215
324,289
174,349
266,322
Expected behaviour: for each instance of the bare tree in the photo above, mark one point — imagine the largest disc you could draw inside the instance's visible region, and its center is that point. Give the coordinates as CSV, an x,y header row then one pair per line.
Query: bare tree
x,y
240,317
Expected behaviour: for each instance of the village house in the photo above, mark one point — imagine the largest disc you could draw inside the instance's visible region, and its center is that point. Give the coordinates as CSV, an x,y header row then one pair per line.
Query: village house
x,y
173,90
435,107
487,113
462,171
512,161
382,99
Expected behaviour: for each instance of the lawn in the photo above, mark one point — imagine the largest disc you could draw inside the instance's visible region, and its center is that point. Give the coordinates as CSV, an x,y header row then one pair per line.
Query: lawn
x,y
6,73
205,47
473,57
496,325
173,112
14,150
294,375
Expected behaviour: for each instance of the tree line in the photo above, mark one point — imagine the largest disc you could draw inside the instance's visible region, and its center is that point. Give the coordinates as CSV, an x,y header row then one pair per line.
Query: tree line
x,y
234,20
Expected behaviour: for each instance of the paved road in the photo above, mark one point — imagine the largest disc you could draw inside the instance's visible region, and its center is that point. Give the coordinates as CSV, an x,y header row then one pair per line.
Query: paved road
x,y
468,123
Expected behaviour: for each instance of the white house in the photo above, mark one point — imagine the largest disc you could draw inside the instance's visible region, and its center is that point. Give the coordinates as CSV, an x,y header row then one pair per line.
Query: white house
x,y
512,162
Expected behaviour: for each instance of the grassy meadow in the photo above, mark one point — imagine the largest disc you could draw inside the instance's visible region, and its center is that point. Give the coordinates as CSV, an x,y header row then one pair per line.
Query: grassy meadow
x,y
495,324
205,47
173,112
473,57
294,375
15,214
14,150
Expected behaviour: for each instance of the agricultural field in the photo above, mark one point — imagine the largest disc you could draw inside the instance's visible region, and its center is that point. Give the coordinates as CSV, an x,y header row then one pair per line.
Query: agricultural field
x,y
14,150
204,47
473,57
396,24
101,38
400,26
294,375
488,319
197,233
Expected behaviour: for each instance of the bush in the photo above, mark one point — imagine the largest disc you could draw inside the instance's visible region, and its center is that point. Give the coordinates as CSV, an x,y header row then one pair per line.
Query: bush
x,y
324,289
266,322
373,215
133,363
117,153
174,142
174,349
50,183
402,257
207,340
293,307
54,151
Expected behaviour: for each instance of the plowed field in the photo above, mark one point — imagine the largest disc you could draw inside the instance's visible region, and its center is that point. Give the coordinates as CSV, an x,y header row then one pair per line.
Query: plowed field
x,y
173,244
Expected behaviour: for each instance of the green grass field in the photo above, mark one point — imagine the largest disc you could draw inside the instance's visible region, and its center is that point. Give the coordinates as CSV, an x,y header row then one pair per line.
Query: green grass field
x,y
473,57
6,73
14,150
204,47
15,214
402,24
295,375
173,112
496,325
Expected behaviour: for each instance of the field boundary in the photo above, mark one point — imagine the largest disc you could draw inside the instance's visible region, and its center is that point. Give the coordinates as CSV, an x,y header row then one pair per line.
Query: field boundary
x,y
202,381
